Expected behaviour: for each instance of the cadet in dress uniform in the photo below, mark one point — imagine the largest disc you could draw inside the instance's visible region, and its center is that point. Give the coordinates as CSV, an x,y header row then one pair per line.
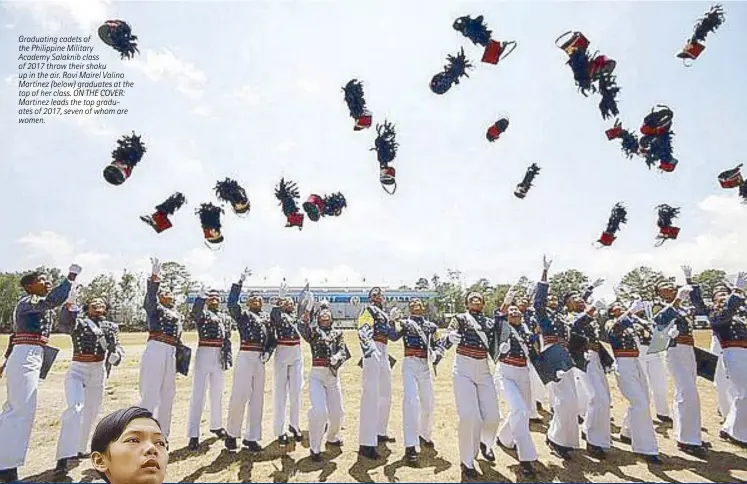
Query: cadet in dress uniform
x,y
731,329
474,390
211,360
682,367
637,427
288,370
514,380
421,347
537,388
596,426
562,436
328,353
654,366
257,344
158,363
376,381
96,349
33,318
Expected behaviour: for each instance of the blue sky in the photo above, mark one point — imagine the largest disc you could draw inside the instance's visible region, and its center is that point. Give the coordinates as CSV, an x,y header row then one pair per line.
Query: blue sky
x,y
252,90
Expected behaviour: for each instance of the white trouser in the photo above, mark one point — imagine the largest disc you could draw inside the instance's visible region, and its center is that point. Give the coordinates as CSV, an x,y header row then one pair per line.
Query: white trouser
x,y
477,406
655,371
515,384
637,424
735,363
376,397
158,382
597,418
582,398
84,389
247,395
208,371
721,380
538,391
417,400
563,429
325,396
686,407
288,378
19,411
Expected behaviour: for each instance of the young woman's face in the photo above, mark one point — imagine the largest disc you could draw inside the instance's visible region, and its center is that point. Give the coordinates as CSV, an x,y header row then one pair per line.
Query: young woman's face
x,y
138,456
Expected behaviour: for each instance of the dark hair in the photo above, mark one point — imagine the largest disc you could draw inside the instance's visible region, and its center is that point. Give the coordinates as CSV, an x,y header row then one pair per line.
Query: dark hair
x,y
111,427
374,289
30,278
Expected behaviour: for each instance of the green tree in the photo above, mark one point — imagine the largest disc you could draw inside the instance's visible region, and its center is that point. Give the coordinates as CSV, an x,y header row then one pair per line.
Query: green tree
x,y
422,284
101,286
640,282
10,292
128,301
176,278
568,281
708,279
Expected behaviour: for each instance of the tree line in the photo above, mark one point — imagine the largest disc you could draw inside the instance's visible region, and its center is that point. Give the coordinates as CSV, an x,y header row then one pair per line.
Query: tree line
x,y
124,293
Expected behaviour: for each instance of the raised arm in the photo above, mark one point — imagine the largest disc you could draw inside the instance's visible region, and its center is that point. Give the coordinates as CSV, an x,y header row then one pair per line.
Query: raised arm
x,y
233,297
151,296
68,318
696,297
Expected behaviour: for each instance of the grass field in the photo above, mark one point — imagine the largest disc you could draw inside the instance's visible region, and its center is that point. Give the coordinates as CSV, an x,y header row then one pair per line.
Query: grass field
x,y
726,463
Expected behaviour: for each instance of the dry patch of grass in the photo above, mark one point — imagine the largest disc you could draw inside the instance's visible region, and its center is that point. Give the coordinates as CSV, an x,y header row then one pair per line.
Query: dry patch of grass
x,y
213,464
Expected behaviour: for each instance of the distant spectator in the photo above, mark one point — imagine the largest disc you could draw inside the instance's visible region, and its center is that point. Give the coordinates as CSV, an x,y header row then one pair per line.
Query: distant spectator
x,y
129,448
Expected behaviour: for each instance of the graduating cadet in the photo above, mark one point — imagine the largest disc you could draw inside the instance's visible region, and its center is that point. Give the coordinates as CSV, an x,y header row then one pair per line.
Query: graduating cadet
x,y
514,380
212,359
288,369
376,381
158,363
30,357
96,349
421,348
562,436
328,353
257,345
731,329
474,390
682,366
637,427
654,365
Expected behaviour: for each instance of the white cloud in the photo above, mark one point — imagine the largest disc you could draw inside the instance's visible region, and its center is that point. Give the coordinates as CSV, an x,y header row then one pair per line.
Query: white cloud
x,y
310,86
53,249
205,111
246,95
163,65
286,145
85,14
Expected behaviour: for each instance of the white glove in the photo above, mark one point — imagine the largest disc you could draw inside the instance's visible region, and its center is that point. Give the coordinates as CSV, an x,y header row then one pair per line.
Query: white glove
x,y
395,314
264,357
505,347
115,358
155,266
673,332
546,263
636,306
283,291
510,295
75,269
688,271
334,360
73,294
598,282
454,337
599,305
683,292
559,374
587,355
201,291
649,308
741,282
247,272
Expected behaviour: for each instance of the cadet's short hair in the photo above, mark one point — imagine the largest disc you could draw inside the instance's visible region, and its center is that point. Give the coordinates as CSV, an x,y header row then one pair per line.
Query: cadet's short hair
x,y
113,425
30,278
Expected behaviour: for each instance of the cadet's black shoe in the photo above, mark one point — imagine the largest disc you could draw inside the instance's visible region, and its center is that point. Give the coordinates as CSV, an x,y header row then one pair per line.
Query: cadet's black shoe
x,y
580,420
706,445
297,436
693,450
385,439
283,440
487,452
558,450
625,440
316,456
194,444
539,406
336,443
411,455
426,443
230,443
469,472
664,419
368,452
595,451
220,433
252,445
583,436
526,469
9,475
535,420
61,466
652,459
